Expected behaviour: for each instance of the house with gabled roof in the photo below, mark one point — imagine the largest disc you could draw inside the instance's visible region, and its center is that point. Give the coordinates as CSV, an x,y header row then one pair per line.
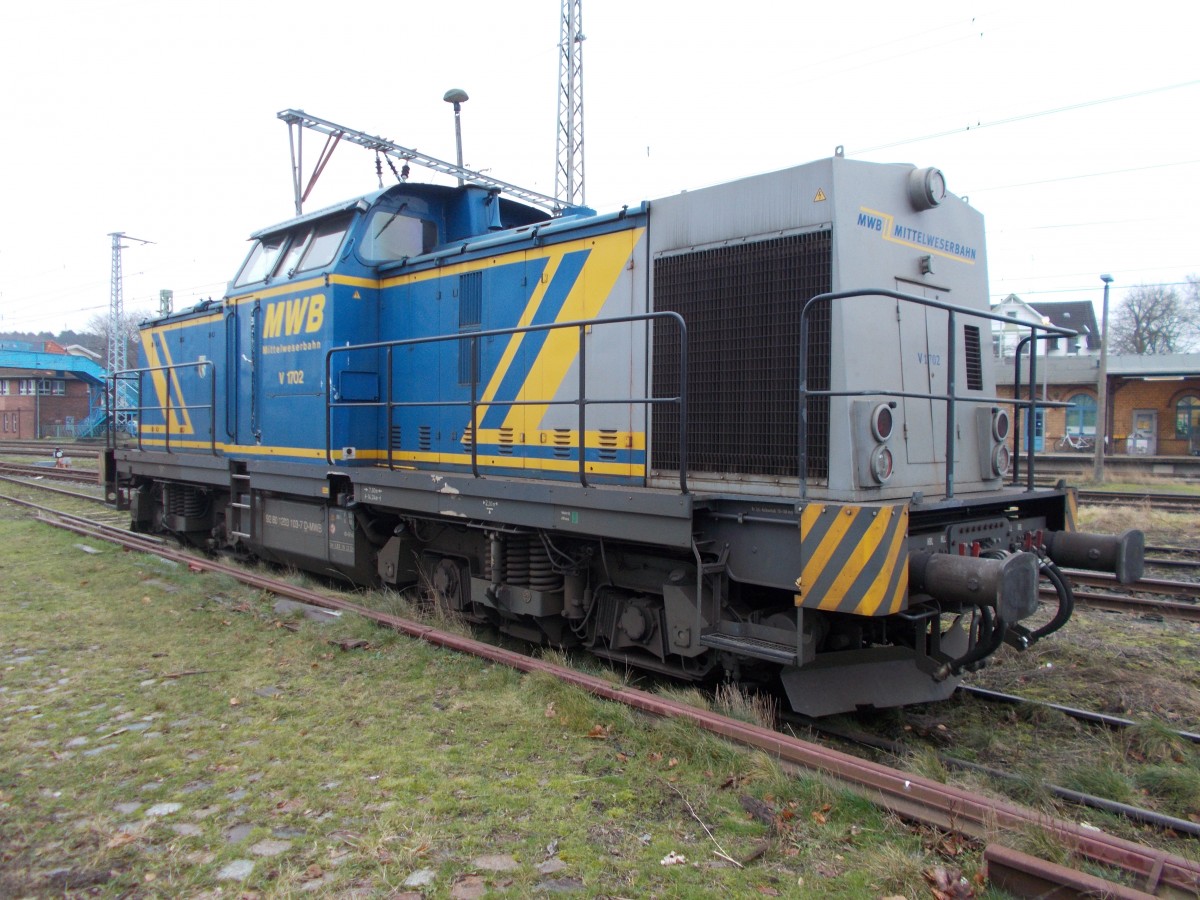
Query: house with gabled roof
x,y
1079,316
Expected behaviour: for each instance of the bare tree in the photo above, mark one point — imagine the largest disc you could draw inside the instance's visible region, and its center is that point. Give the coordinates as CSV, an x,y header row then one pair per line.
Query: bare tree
x,y
98,325
1155,318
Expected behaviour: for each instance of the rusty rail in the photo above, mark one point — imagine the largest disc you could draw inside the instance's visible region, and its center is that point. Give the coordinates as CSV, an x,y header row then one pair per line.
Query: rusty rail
x,y
1023,875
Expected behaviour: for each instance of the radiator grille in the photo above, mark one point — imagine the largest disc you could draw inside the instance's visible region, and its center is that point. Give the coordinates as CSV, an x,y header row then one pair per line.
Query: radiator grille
x,y
742,308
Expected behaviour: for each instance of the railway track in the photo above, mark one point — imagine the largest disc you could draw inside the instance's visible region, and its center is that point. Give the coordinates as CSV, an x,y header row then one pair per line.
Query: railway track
x,y
899,749
24,482
1128,603
1083,715
1187,503
51,473
1162,586
914,797
45,450
1178,558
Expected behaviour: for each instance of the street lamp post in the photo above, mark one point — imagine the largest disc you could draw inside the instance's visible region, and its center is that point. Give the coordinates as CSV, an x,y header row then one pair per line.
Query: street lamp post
x,y
458,97
1102,389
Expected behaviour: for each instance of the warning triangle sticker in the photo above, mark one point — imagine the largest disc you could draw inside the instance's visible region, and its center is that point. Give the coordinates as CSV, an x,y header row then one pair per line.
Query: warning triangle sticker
x,y
820,196
356,296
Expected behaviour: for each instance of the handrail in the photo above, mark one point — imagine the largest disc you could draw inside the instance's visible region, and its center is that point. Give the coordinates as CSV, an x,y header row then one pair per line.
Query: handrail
x,y
582,326
137,376
1031,403
949,397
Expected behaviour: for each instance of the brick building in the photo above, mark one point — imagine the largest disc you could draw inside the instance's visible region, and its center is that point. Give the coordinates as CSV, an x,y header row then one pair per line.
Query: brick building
x,y
1153,406
45,391
1153,403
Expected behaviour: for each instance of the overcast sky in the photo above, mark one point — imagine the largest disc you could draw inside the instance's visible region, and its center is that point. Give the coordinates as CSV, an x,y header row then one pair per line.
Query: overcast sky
x,y
1072,126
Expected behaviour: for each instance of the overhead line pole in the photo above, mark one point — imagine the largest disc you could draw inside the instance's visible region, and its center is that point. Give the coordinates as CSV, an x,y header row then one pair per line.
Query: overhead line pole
x,y
568,173
118,344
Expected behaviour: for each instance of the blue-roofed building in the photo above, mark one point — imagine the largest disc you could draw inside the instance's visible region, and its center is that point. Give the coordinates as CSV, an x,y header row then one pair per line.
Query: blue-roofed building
x,y
47,390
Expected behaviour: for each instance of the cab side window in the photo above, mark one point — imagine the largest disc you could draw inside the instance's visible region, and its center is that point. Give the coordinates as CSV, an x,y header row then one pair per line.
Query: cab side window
x,y
390,236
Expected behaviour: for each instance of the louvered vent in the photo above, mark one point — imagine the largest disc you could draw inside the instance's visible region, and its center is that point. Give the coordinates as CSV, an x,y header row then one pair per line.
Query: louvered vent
x,y
974,357
506,441
562,443
742,308
608,445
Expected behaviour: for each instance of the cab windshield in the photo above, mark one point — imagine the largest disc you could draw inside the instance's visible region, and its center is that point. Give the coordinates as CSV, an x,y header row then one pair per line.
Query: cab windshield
x,y
303,248
261,261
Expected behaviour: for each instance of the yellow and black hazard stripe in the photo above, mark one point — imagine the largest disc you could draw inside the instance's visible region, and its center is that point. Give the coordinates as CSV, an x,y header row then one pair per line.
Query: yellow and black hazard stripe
x,y
853,558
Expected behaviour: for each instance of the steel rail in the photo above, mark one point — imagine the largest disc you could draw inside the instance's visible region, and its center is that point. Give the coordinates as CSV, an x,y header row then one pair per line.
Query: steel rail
x,y
1130,604
54,490
1185,502
1114,807
1084,715
85,476
43,451
1185,551
1141,605
1147,585
1023,875
1172,563
146,542
912,796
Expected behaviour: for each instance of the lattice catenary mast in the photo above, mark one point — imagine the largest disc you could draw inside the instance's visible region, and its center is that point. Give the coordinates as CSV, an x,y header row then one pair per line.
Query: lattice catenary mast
x,y
568,174
118,344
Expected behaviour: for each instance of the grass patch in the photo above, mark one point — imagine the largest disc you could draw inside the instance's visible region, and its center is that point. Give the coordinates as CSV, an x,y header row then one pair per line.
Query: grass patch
x,y
1177,785
1156,743
1099,781
1161,527
159,726
744,705
1153,483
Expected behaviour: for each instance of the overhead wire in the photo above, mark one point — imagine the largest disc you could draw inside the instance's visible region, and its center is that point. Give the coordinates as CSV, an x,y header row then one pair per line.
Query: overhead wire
x,y
1004,187
978,126
1083,290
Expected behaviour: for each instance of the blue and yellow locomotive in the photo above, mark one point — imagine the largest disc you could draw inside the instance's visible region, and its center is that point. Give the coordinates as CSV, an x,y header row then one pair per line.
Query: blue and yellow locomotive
x,y
748,431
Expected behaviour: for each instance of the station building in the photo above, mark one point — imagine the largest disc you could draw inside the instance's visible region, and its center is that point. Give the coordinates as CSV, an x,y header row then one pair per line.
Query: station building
x,y
1153,401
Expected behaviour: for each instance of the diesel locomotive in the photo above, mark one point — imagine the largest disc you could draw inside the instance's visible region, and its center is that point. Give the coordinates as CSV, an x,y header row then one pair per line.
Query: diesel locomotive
x,y
749,431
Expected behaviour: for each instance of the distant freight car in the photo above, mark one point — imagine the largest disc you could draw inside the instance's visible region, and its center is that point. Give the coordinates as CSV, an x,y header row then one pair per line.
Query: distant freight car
x,y
748,431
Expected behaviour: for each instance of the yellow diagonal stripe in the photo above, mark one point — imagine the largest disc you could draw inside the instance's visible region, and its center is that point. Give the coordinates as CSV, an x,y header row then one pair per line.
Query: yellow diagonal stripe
x,y
860,557
553,258
592,288
875,601
815,563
